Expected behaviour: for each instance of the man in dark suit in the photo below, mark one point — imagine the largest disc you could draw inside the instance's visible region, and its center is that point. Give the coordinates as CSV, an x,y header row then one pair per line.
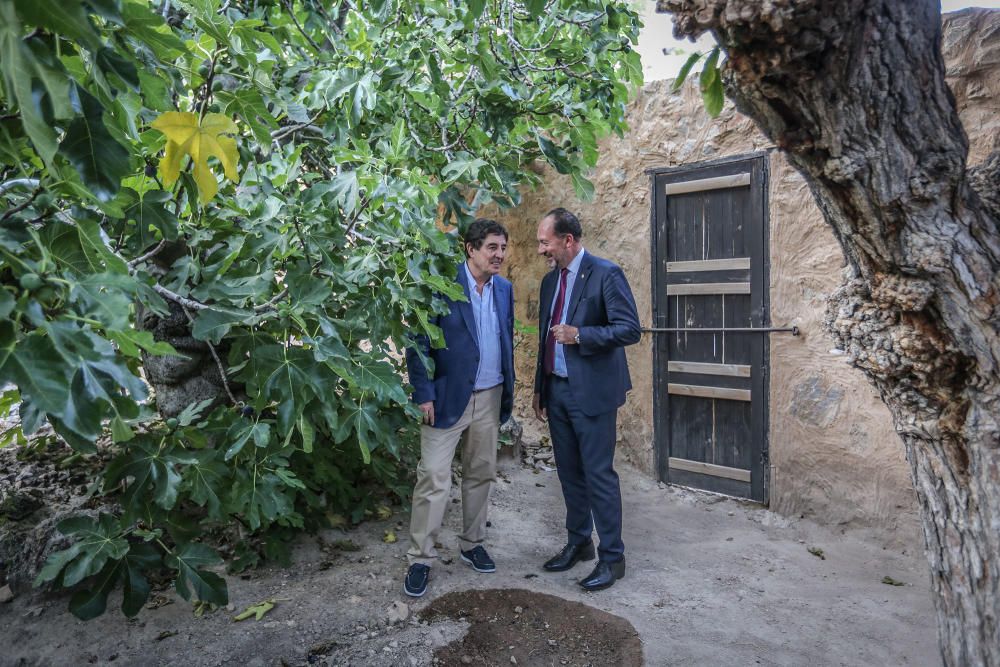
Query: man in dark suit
x,y
468,395
586,318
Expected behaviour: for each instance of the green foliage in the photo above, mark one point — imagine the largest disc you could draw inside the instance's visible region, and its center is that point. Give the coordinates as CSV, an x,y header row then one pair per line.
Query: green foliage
x,y
686,69
11,431
103,554
710,81
347,133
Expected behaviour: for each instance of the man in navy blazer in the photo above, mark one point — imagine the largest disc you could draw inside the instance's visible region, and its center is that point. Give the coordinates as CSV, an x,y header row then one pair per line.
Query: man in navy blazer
x,y
586,318
467,396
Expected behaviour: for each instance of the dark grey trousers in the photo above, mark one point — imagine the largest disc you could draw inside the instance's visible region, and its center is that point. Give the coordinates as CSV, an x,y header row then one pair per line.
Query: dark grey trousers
x,y
584,448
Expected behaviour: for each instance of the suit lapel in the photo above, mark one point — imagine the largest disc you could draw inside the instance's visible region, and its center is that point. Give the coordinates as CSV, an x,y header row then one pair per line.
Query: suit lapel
x,y
578,286
500,299
465,307
500,294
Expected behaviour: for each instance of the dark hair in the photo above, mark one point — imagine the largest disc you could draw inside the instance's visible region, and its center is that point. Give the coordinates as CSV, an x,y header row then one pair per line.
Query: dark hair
x,y
565,223
480,229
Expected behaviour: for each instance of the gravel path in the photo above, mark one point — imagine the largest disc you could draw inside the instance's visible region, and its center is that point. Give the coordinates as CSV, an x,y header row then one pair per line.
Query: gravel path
x,y
710,581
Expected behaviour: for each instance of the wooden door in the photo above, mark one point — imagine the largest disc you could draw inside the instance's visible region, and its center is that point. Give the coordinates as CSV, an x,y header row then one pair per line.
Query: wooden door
x,y
710,296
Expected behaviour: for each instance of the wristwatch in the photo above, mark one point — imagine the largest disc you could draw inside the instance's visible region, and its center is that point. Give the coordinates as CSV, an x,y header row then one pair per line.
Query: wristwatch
x,y
576,338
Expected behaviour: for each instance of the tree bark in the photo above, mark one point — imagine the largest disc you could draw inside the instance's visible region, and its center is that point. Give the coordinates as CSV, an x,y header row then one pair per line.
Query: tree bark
x,y
179,382
854,92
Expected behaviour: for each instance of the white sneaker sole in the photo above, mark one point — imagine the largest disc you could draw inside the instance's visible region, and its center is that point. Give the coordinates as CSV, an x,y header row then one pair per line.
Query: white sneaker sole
x,y
412,594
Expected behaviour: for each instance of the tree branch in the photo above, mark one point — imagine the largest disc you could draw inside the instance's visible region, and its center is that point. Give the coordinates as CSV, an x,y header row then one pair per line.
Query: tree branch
x,y
23,205
291,13
218,362
270,304
18,183
149,255
178,299
357,215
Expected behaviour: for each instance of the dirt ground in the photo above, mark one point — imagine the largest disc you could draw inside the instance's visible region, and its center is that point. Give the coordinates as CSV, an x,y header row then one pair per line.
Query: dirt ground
x,y
515,626
710,581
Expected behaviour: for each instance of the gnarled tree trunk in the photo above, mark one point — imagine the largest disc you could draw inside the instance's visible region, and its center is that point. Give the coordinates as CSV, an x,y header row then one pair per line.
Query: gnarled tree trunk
x,y
854,92
179,382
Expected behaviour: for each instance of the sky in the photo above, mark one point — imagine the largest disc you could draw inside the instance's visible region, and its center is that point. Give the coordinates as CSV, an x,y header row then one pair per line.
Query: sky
x,y
658,35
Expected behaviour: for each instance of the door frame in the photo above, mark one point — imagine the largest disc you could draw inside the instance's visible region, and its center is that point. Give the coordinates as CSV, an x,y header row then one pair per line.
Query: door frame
x,y
758,163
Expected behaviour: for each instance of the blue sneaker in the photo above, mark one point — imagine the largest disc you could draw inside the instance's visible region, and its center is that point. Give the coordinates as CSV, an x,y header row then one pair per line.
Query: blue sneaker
x,y
479,560
415,584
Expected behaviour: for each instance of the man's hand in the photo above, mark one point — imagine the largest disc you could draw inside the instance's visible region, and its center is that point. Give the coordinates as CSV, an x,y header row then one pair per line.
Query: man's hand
x,y
428,410
540,413
564,334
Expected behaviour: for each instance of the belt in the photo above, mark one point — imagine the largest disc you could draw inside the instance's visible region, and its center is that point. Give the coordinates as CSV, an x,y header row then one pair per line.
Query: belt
x,y
479,391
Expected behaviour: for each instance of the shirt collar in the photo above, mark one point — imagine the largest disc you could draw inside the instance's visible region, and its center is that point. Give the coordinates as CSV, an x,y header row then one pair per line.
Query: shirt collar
x,y
574,266
471,279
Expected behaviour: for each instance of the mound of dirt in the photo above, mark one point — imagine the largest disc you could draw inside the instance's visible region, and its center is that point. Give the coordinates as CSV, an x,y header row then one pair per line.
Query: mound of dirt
x,y
519,627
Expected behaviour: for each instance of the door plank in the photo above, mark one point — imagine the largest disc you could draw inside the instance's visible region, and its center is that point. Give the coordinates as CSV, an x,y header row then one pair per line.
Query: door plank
x,y
735,370
708,288
692,427
738,348
708,392
709,469
709,265
733,426
703,184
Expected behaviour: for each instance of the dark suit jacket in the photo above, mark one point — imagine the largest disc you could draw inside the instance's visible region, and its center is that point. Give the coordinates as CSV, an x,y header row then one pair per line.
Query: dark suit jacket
x,y
602,308
455,365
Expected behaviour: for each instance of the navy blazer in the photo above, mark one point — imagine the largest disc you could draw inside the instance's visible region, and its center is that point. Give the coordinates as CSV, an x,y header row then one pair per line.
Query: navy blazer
x,y
603,309
455,365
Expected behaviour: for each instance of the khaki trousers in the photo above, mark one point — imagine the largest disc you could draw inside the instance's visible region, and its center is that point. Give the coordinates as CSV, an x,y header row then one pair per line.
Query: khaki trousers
x,y
477,429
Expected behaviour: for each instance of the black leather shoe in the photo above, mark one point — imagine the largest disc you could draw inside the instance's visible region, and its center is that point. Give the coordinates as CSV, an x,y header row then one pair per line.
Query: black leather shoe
x,y
570,555
604,575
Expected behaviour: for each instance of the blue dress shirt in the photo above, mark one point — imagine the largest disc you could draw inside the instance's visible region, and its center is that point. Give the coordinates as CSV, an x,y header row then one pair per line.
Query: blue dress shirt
x,y
573,270
488,375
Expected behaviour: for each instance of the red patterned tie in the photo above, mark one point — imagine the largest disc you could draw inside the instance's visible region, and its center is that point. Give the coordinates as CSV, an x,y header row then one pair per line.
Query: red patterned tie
x,y
549,361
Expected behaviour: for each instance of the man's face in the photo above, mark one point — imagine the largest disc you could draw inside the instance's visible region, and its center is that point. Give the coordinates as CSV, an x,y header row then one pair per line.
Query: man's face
x,y
557,250
486,260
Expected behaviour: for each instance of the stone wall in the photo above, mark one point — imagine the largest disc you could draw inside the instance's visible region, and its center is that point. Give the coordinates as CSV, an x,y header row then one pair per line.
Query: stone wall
x,y
835,455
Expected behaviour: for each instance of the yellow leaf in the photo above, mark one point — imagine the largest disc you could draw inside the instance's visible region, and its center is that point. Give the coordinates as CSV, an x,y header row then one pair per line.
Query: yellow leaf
x,y
185,136
390,537
383,512
257,610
